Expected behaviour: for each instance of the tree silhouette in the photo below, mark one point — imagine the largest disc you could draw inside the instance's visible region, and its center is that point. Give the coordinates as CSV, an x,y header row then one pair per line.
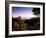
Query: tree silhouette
x,y
18,24
36,11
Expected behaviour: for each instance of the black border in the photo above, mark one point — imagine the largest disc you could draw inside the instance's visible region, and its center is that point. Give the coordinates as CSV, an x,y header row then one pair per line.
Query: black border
x,y
7,18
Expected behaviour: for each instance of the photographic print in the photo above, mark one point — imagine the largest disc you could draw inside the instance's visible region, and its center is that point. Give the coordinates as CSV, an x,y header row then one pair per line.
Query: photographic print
x,y
25,19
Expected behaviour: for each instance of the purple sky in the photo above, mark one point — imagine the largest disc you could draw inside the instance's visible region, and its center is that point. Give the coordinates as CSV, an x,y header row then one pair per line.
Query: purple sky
x,y
22,11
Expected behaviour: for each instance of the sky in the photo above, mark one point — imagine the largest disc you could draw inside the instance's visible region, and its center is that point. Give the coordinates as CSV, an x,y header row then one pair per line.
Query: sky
x,y
25,12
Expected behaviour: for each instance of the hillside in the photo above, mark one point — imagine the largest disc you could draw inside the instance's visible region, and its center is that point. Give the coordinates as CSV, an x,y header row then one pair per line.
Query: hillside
x,y
26,24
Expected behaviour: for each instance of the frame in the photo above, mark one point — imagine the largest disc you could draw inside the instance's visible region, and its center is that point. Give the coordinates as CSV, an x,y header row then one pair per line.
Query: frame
x,y
13,5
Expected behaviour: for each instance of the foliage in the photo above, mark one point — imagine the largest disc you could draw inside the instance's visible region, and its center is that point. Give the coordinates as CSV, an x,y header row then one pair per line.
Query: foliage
x,y
36,11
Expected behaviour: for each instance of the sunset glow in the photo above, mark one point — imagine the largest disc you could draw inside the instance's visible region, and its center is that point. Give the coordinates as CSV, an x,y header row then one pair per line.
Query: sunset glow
x,y
24,12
